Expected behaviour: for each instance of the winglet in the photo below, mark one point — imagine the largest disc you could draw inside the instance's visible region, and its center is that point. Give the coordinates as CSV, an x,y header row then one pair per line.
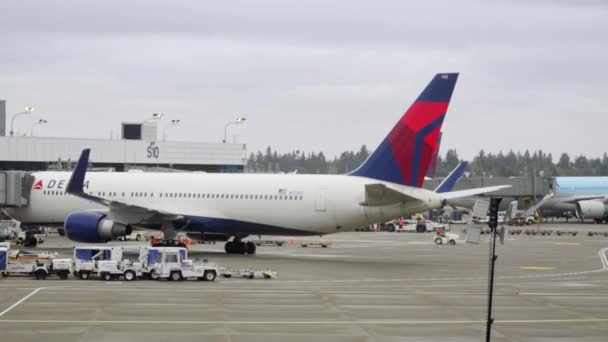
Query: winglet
x,y
449,181
76,182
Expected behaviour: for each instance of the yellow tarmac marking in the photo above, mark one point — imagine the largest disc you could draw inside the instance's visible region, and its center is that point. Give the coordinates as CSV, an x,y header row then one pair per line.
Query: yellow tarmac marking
x,y
568,243
356,322
536,268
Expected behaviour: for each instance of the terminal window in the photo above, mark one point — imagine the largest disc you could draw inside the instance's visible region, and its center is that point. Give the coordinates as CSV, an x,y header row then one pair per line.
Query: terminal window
x,y
131,131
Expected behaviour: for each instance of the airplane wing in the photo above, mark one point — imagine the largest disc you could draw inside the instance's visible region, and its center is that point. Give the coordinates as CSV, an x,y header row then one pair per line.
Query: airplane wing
x,y
576,199
379,194
117,211
472,192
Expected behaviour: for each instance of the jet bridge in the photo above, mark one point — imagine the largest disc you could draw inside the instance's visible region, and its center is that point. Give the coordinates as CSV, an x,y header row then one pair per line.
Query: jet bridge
x,y
15,188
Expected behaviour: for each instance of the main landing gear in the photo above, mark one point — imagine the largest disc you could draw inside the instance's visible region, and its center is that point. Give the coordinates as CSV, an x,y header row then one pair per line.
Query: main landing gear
x,y
236,246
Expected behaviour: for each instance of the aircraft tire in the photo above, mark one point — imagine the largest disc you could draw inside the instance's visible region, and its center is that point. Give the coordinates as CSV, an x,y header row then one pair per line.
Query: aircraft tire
x,y
229,247
241,248
251,247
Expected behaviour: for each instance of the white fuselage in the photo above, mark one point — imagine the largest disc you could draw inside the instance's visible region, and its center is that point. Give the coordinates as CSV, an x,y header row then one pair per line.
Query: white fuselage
x,y
306,204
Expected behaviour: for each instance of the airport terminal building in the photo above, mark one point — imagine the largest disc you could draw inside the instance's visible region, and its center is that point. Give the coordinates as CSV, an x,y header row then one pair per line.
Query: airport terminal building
x,y
138,147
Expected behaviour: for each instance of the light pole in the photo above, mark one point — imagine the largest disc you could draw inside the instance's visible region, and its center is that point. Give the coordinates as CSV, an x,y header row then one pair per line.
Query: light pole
x,y
236,121
173,122
27,110
39,122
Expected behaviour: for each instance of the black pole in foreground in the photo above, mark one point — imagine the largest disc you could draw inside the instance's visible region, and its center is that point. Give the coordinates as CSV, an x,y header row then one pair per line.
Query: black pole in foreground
x,y
493,223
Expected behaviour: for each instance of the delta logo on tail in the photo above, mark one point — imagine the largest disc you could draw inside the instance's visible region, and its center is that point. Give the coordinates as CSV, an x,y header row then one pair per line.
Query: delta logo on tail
x,y
405,154
38,185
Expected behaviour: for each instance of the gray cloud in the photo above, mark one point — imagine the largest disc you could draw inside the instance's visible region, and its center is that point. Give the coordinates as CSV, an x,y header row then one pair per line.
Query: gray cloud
x,y
312,75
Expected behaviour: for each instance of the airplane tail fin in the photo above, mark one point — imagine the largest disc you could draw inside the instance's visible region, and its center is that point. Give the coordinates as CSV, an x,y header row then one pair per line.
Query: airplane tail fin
x,y
405,154
449,181
432,170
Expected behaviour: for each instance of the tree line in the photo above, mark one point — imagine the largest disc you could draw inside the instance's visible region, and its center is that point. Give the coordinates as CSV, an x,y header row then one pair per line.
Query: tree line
x,y
483,164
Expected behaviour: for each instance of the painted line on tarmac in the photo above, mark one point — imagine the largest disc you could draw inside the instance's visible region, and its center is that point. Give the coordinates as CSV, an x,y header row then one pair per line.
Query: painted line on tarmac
x,y
20,301
563,294
603,257
601,253
354,322
537,268
568,243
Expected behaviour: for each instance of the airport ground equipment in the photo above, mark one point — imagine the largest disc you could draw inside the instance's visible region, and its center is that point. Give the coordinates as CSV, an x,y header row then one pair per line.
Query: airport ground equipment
x,y
565,232
322,244
113,269
29,239
446,238
134,236
60,267
247,273
592,233
3,260
423,227
269,242
86,259
41,265
171,263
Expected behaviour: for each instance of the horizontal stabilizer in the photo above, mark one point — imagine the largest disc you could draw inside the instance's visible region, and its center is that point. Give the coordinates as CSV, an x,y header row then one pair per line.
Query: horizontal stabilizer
x,y
449,181
379,194
472,192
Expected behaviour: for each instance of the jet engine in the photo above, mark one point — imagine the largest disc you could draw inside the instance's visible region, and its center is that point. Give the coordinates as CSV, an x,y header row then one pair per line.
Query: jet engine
x,y
591,209
92,227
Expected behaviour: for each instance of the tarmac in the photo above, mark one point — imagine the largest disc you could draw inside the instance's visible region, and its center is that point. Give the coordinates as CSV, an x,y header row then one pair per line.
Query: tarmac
x,y
365,286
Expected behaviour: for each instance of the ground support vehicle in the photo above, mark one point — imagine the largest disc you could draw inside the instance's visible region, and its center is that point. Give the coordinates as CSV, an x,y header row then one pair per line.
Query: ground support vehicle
x,y
171,263
60,267
322,244
134,236
269,242
592,233
86,259
565,232
247,273
112,269
39,265
445,238
7,233
3,260
29,239
423,227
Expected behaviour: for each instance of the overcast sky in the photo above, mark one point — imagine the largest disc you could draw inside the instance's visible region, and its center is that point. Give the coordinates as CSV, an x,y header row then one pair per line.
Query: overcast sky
x,y
312,75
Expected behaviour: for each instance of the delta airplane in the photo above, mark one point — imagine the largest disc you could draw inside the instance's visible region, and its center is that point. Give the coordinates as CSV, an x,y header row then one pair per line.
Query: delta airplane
x,y
96,206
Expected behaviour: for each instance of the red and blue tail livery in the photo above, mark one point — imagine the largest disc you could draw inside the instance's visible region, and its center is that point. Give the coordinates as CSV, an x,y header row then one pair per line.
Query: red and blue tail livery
x,y
432,170
405,154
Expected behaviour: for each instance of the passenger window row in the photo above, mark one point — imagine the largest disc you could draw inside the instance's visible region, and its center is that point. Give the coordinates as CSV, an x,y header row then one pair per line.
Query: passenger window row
x,y
189,195
54,193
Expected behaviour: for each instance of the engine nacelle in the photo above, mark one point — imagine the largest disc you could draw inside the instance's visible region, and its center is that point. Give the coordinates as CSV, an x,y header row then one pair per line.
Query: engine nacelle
x,y
591,209
92,227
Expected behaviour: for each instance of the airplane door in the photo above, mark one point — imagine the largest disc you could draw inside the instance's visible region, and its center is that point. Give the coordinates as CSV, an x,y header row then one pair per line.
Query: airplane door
x,y
320,200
